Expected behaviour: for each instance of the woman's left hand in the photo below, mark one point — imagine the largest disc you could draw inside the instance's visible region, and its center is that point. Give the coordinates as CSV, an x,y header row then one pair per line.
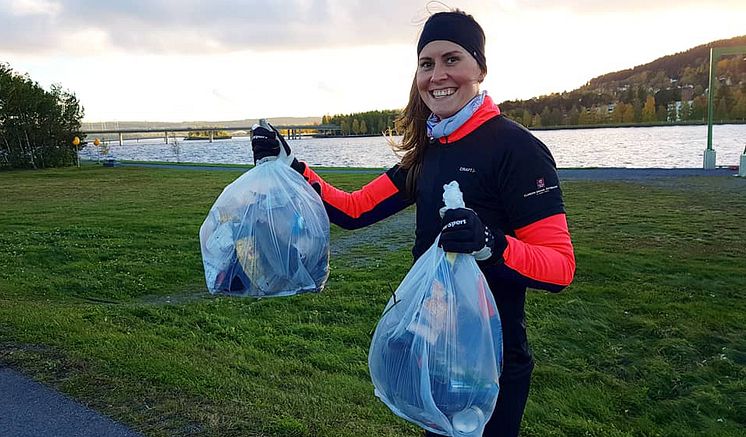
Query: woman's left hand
x,y
463,232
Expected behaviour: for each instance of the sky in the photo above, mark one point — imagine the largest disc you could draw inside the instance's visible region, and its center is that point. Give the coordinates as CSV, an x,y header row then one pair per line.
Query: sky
x,y
182,60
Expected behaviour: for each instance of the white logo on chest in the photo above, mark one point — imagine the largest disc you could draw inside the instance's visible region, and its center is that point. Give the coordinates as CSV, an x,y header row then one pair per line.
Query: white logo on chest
x,y
467,169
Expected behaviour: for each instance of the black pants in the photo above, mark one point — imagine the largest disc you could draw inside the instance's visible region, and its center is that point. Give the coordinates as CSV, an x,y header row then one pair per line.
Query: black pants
x,y
506,420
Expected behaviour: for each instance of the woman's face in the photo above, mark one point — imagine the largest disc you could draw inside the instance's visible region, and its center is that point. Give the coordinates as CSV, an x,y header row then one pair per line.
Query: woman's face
x,y
447,77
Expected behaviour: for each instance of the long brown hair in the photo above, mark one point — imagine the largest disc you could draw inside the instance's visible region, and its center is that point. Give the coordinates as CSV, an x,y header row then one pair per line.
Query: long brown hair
x,y
412,124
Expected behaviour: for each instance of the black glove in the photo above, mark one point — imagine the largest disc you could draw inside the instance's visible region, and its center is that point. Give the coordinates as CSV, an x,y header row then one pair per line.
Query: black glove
x,y
267,142
463,232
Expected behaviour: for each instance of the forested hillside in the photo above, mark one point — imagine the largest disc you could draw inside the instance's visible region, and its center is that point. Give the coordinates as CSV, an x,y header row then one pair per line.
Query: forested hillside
x,y
670,89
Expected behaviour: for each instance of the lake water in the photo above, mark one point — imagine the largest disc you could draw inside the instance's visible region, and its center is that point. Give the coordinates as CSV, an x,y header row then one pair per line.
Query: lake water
x,y
664,147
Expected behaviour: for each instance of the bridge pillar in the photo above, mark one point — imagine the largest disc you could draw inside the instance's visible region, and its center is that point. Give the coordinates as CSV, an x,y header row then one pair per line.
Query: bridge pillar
x,y
120,138
212,133
165,137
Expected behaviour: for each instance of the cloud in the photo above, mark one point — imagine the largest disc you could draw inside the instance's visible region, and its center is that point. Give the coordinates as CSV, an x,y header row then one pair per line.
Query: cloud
x,y
194,27
34,7
586,7
198,26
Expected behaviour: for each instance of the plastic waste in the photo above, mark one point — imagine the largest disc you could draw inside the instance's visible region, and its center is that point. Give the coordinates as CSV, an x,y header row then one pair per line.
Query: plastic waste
x,y
266,235
436,354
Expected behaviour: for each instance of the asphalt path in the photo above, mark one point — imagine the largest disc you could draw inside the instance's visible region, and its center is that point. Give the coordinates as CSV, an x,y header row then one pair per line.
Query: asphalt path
x,y
590,174
28,408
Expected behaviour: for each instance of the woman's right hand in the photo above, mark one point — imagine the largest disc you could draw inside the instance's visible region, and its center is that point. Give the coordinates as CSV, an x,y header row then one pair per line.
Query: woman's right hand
x,y
265,144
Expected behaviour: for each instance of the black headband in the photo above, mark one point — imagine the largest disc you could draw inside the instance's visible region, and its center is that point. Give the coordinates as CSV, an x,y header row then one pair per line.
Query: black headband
x,y
457,28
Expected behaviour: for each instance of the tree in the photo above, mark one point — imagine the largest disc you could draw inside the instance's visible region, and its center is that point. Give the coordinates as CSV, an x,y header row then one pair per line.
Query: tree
x,y
685,111
699,108
573,115
661,114
526,119
557,116
648,111
721,112
36,126
689,76
661,80
724,93
739,111
637,106
585,116
617,115
536,121
355,126
546,117
628,115
375,121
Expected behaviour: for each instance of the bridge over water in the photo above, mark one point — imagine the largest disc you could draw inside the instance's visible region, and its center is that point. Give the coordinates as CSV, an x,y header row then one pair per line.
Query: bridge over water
x,y
292,131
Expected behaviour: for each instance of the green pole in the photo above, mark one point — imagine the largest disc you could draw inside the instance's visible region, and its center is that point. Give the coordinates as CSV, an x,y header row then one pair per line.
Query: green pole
x,y
715,54
710,92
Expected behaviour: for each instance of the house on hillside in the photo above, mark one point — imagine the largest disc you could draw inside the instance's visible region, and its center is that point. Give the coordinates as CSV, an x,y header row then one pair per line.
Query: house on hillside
x,y
687,93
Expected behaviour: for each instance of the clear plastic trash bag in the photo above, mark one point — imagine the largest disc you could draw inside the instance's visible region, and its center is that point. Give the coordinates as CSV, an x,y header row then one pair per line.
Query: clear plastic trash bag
x,y
266,235
436,355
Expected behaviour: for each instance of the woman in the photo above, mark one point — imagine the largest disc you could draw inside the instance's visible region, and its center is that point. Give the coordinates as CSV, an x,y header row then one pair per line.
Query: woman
x,y
515,225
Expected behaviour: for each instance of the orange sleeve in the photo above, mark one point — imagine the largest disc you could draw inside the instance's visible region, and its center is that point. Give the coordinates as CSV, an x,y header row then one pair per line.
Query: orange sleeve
x,y
374,202
358,202
542,251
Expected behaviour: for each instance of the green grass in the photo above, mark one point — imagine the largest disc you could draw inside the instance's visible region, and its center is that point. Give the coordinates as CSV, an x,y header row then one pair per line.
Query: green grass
x,y
102,296
236,166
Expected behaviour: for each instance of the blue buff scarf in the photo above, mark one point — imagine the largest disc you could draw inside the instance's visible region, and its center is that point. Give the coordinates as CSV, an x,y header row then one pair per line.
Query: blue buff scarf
x,y
437,128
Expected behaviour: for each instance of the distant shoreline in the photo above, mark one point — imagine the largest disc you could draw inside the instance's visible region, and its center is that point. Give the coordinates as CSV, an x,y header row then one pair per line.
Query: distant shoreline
x,y
541,128
616,125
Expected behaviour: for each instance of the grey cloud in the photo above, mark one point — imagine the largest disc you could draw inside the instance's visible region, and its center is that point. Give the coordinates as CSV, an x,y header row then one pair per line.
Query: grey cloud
x,y
192,26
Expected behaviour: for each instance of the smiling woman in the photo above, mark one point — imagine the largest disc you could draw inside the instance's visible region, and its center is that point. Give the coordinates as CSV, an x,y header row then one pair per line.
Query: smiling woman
x,y
514,221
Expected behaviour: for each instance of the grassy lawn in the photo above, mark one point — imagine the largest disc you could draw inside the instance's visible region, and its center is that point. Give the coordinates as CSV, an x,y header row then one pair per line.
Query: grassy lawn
x,y
102,295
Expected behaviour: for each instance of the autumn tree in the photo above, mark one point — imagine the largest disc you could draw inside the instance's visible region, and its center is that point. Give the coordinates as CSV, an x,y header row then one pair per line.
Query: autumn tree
x,y
739,110
648,111
628,115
